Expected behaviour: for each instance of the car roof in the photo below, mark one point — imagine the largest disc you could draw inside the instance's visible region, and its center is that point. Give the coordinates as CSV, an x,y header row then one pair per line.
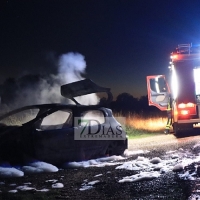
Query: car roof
x,y
52,106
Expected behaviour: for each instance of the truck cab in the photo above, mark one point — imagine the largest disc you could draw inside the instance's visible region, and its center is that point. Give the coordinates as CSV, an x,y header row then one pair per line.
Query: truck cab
x,y
183,86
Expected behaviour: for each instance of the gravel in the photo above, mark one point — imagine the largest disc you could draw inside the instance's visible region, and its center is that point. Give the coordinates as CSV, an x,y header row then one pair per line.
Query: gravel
x,y
106,186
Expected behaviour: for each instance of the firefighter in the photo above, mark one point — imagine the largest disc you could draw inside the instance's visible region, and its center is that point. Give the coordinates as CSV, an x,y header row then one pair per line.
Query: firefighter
x,y
169,115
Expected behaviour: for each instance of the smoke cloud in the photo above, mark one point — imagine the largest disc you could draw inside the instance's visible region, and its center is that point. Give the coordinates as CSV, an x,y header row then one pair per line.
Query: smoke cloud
x,y
71,67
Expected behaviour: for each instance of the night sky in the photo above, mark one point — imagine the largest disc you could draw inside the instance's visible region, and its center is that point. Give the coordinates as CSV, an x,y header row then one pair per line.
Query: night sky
x,y
122,41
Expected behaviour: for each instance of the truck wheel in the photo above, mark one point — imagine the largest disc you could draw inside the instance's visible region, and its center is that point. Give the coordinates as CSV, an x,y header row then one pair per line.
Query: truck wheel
x,y
175,129
181,130
179,134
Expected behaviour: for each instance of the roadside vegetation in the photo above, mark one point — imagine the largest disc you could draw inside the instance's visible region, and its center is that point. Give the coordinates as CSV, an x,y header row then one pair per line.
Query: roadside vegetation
x,y
137,125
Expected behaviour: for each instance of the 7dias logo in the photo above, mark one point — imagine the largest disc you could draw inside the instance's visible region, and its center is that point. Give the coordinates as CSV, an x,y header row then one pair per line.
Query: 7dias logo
x,y
98,129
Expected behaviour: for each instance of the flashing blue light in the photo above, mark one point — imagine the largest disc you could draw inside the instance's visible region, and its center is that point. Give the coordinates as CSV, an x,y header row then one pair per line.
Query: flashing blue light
x,y
195,45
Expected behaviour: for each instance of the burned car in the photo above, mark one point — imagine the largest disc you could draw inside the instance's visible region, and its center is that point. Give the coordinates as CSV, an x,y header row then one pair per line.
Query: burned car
x,y
59,133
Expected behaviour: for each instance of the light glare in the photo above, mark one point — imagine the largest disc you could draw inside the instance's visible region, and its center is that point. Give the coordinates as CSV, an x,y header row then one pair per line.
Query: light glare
x,y
184,112
174,83
197,80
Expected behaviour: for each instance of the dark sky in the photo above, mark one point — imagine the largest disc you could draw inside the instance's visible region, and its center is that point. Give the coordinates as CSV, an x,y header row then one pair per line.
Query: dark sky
x,y
122,41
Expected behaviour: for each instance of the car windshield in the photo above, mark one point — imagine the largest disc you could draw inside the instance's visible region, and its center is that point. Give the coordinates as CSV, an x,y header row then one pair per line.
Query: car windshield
x,y
19,118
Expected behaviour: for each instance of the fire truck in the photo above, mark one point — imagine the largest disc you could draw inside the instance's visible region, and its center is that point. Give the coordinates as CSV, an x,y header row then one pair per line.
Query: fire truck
x,y
182,86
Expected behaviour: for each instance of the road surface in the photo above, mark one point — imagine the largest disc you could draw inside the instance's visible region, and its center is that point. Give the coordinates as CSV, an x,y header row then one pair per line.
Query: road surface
x,y
167,186
165,142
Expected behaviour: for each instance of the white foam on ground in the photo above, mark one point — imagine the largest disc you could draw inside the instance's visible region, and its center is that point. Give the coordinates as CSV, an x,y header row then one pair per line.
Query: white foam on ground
x,y
31,170
86,187
141,163
155,167
25,188
194,196
93,182
142,176
42,167
39,167
186,175
89,185
57,185
98,175
12,191
10,172
144,169
148,169
128,153
43,190
52,181
100,162
45,167
170,152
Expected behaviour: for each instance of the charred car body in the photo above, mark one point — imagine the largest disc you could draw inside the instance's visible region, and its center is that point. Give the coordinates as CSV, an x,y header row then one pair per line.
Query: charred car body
x,y
59,133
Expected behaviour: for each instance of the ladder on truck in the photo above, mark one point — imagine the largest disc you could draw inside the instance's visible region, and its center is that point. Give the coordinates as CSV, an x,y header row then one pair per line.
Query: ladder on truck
x,y
188,49
184,48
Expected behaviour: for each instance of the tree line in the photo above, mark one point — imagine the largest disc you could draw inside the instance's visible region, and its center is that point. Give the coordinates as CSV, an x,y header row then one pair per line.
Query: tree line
x,y
124,103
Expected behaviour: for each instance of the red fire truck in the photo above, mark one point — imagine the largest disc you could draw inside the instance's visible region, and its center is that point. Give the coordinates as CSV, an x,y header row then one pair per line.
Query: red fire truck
x,y
183,85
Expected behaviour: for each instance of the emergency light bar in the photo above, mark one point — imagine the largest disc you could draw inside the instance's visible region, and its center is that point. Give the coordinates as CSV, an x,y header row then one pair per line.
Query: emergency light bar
x,y
181,57
186,52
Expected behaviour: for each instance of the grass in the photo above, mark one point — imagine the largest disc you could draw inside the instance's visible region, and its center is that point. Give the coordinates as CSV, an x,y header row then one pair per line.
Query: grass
x,y
138,126
137,134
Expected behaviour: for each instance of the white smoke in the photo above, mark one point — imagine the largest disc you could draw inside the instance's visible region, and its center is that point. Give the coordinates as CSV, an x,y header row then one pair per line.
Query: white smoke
x,y
71,66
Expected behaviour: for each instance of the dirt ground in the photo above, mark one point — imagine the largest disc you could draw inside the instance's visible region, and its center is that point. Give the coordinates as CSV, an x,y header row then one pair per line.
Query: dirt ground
x,y
167,186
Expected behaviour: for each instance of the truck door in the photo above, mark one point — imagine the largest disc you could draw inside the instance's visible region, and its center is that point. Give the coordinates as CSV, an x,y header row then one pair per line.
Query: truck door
x,y
158,91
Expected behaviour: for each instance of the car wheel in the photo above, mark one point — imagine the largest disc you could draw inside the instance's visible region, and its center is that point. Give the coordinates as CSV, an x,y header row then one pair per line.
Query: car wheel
x,y
112,148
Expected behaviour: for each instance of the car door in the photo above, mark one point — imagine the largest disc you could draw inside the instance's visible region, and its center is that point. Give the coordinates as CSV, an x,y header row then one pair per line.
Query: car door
x,y
54,138
158,91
